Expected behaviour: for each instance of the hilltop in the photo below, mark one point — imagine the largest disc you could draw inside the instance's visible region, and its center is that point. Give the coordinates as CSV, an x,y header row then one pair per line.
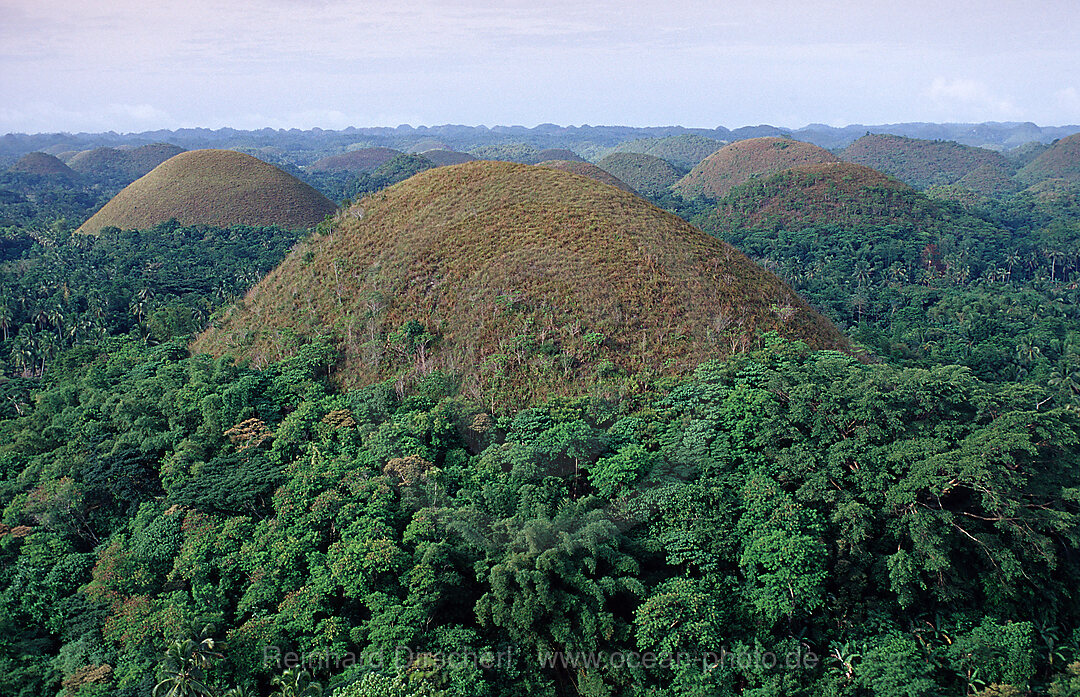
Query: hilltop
x,y
213,187
587,169
645,173
925,163
733,164
41,164
840,193
684,151
356,161
1060,161
443,158
517,281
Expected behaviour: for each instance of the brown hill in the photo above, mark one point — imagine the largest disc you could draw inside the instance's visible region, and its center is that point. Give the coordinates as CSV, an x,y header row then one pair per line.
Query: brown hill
x,y
587,169
519,282
1060,161
146,157
645,173
101,163
684,151
443,158
733,164
924,163
213,187
831,192
361,161
40,164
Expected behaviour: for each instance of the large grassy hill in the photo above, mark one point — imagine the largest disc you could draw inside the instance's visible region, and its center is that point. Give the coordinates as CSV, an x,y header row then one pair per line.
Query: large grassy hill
x,y
1060,161
645,173
517,281
925,163
41,164
213,187
734,164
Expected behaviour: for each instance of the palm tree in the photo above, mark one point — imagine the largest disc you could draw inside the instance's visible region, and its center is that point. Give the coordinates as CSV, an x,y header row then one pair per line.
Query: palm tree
x,y
296,682
182,671
7,316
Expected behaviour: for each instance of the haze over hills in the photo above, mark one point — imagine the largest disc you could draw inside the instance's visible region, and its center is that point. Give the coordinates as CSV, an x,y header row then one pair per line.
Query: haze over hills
x,y
558,279
213,187
925,163
733,164
442,158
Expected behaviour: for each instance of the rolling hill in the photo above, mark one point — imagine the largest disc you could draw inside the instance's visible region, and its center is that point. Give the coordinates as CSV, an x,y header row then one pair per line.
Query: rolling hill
x,y
443,158
645,173
684,151
213,187
561,154
587,169
734,164
361,161
924,163
121,166
516,282
41,164
1060,161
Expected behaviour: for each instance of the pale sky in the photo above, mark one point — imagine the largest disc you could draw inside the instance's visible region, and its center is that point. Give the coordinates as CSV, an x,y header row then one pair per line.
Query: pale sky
x,y
135,65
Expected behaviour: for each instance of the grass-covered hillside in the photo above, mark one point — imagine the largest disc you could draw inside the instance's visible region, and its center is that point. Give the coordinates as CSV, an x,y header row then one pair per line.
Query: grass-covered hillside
x,y
516,282
733,164
213,187
645,173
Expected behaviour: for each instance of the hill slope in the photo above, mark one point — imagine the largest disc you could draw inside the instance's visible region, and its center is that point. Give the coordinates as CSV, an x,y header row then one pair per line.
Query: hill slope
x,y
1060,161
645,173
213,187
520,281
41,164
443,158
925,163
587,169
733,164
684,151
356,161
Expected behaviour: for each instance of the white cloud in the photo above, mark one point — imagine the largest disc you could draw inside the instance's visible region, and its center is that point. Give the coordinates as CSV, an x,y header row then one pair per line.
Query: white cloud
x,y
970,99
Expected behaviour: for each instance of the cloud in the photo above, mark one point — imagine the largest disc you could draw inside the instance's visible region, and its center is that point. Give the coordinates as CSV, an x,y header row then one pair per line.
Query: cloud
x,y
1068,102
966,98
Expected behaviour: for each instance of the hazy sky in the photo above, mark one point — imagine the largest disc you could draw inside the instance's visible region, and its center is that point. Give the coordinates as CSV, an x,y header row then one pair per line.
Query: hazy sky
x,y
133,65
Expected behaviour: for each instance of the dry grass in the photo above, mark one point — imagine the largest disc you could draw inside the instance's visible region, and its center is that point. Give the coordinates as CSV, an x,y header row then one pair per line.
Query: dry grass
x,y
535,282
734,164
587,169
213,187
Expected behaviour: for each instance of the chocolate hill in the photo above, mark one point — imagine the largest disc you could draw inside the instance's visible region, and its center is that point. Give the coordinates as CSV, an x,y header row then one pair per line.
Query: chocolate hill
x,y
645,173
41,164
925,163
1060,161
356,161
587,169
517,282
734,164
213,187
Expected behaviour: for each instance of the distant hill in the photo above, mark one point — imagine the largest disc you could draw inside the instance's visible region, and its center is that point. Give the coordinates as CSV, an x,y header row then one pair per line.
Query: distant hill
x,y
924,163
841,193
1060,161
514,282
121,166
508,152
361,161
645,173
557,154
40,164
684,151
401,167
442,158
213,187
587,169
733,164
